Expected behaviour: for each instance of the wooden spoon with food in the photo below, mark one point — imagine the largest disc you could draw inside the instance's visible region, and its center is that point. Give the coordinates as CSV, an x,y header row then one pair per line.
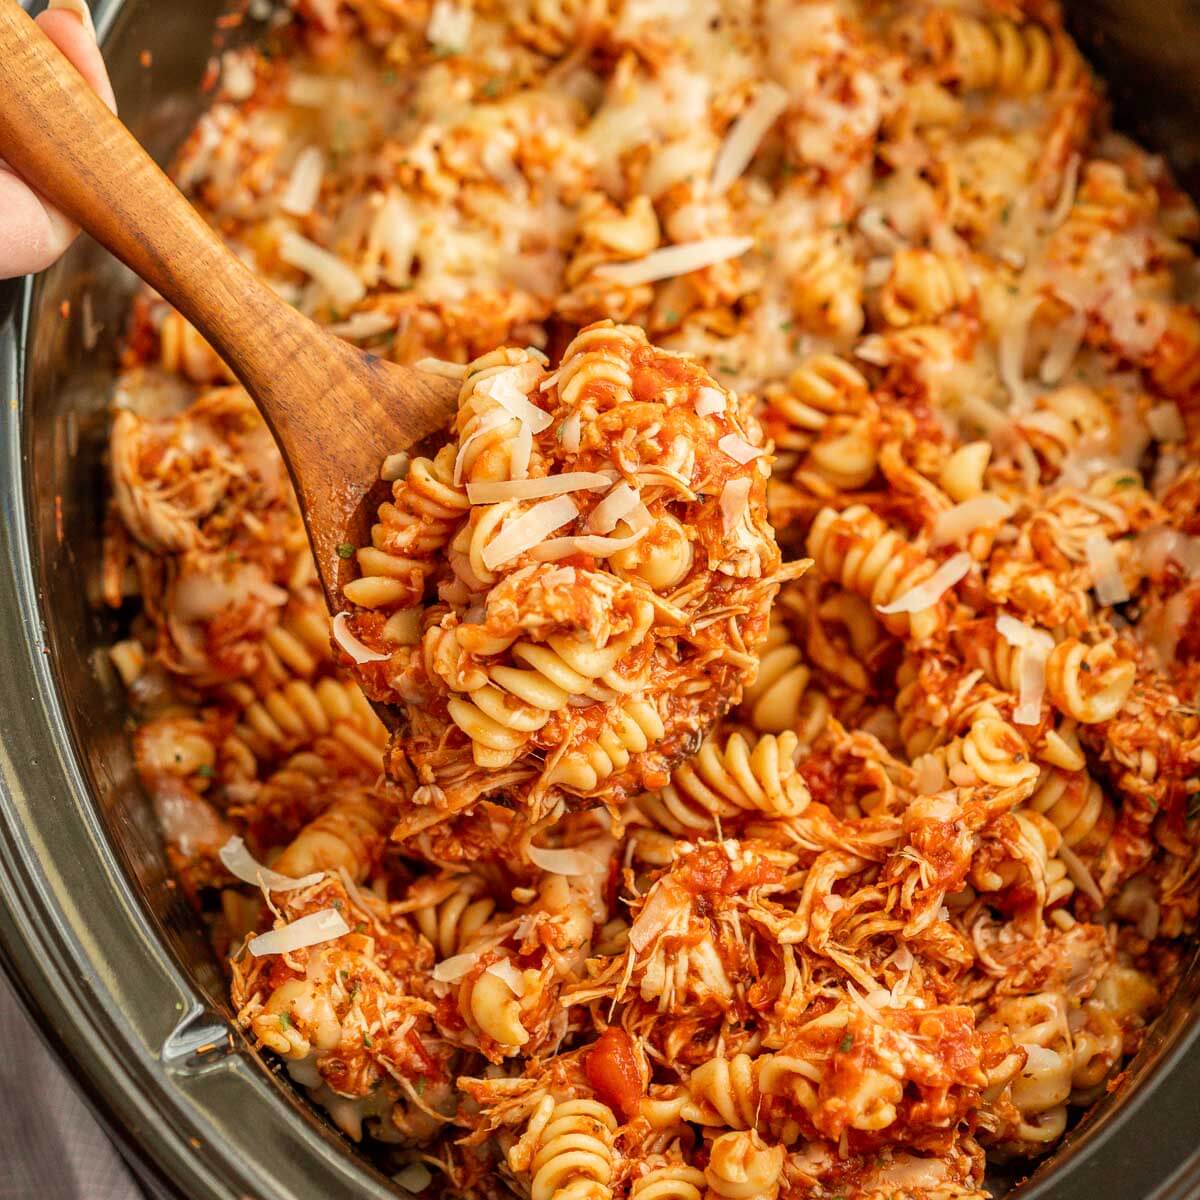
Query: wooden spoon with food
x,y
336,412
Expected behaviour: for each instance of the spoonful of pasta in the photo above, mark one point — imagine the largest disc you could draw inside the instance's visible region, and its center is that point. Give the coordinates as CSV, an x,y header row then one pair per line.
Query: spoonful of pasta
x,y
335,411
564,592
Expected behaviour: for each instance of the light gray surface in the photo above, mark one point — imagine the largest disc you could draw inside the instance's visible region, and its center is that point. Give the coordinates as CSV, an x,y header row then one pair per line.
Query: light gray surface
x,y
50,1145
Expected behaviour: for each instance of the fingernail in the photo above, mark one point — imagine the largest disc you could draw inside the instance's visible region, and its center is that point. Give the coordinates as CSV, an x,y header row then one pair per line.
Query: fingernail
x,y
77,8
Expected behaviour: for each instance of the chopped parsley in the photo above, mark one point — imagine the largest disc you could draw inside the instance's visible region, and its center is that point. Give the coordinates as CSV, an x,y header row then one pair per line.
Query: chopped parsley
x,y
367,1041
345,550
420,1085
1125,481
491,89
206,770
285,1020
846,1044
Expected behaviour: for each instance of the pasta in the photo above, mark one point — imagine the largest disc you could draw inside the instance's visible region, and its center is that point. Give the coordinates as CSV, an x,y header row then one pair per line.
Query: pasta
x,y
546,669
690,872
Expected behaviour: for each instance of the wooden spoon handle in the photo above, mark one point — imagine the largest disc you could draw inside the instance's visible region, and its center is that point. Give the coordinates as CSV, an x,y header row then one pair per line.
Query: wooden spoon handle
x,y
60,137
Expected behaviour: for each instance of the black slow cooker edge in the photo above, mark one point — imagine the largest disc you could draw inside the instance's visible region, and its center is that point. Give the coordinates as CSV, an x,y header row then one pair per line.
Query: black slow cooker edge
x,y
107,957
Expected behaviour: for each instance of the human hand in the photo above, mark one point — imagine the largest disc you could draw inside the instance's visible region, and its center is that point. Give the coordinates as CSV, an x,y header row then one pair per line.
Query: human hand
x,y
33,233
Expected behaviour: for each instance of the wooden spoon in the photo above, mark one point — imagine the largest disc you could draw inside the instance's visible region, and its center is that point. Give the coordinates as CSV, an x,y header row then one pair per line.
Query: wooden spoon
x,y
336,412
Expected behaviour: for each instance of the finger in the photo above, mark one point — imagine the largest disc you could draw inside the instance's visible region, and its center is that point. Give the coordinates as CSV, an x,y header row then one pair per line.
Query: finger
x,y
32,233
68,24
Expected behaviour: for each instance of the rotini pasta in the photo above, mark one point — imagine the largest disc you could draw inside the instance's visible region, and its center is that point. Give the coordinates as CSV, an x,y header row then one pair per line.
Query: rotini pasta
x,y
682,878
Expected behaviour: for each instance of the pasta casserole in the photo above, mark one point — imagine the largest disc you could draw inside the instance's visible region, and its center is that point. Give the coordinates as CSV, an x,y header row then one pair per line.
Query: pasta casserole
x,y
796,785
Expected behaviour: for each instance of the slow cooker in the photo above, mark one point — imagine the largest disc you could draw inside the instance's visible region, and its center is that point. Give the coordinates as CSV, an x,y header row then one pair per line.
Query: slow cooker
x,y
103,949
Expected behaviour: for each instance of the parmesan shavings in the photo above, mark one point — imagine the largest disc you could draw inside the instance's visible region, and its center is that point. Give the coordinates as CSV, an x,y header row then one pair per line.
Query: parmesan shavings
x,y
304,183
452,969
507,388
240,862
709,401
663,905
510,975
740,450
487,423
522,451
359,651
926,595
1035,645
569,431
1161,544
493,491
442,367
742,141
965,518
1081,877
671,261
1106,571
328,271
597,547
735,500
312,930
522,533
1166,423
562,862
618,504
360,325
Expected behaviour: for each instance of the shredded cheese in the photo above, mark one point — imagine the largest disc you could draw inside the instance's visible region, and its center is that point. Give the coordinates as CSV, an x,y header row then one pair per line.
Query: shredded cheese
x,y
523,533
509,974
442,367
745,134
312,930
452,969
617,505
740,450
493,491
507,388
359,651
735,501
597,547
240,862
926,595
1035,645
672,261
304,182
562,862
336,278
965,518
1106,571
569,433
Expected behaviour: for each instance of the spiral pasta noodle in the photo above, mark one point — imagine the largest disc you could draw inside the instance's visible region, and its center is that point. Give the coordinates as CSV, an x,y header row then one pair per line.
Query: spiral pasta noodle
x,y
856,548
741,1165
569,1150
